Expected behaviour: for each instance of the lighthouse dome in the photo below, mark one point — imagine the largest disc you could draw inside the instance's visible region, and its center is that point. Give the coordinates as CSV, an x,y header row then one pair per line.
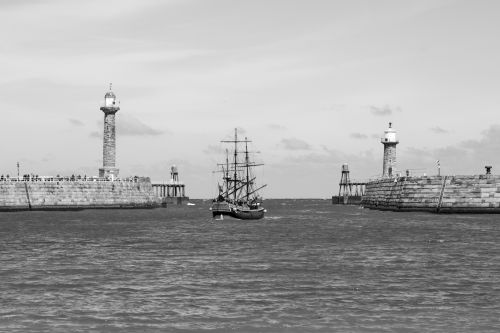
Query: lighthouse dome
x,y
390,135
109,98
110,94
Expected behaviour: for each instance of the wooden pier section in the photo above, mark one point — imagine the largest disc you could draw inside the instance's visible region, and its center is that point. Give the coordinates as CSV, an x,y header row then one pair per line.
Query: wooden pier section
x,y
350,192
169,190
172,192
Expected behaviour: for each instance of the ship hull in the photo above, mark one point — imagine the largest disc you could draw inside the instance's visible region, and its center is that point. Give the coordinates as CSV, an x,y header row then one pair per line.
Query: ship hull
x,y
236,211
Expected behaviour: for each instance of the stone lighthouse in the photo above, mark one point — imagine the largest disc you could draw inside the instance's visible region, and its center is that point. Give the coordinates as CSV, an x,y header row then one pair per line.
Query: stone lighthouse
x,y
389,141
110,108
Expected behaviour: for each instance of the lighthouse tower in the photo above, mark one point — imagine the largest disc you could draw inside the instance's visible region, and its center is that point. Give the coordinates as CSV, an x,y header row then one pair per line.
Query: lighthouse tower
x,y
389,141
110,108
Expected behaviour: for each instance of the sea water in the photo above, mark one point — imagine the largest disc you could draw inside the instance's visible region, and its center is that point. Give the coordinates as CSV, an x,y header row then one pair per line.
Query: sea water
x,y
307,266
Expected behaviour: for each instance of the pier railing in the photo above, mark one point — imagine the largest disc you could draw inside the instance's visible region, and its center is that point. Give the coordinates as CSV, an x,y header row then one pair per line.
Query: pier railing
x,y
73,178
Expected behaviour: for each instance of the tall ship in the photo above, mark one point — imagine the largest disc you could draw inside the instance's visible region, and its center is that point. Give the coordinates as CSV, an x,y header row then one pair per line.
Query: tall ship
x,y
238,193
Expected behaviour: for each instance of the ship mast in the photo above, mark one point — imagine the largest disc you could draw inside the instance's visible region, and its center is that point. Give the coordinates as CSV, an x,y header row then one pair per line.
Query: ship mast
x,y
242,186
227,172
235,160
247,166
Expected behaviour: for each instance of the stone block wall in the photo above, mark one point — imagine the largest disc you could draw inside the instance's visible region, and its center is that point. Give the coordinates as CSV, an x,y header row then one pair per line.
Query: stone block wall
x,y
389,162
442,194
109,140
51,195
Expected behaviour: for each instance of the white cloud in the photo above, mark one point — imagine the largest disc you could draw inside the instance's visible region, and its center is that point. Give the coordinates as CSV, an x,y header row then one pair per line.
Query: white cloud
x,y
384,110
76,122
295,144
130,126
358,136
438,130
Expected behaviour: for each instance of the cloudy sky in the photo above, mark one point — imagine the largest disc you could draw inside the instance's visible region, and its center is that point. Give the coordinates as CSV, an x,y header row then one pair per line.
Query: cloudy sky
x,y
312,83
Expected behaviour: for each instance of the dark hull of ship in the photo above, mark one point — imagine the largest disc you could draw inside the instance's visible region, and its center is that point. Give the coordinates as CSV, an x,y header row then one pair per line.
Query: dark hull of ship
x,y
237,212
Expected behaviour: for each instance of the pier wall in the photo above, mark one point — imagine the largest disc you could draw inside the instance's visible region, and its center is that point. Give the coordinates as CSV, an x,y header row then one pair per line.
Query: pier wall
x,y
346,200
67,195
440,194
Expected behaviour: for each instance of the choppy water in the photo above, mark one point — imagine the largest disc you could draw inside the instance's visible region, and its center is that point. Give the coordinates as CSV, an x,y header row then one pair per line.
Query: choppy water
x,y
308,266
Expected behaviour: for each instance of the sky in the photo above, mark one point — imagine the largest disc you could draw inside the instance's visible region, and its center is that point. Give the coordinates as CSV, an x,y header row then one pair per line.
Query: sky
x,y
313,84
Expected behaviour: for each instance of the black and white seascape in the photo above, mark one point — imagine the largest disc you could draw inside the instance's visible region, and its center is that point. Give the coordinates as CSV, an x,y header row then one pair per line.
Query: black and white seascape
x,y
108,105
308,266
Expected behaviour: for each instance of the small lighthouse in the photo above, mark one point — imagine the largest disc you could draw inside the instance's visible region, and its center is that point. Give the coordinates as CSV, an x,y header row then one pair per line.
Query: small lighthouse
x,y
389,141
110,108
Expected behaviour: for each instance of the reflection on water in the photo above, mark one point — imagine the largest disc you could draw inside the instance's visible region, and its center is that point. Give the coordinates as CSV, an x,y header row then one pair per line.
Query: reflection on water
x,y
308,266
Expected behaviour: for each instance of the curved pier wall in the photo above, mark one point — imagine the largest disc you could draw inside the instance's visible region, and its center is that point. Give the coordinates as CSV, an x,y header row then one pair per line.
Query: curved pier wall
x,y
54,195
440,194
